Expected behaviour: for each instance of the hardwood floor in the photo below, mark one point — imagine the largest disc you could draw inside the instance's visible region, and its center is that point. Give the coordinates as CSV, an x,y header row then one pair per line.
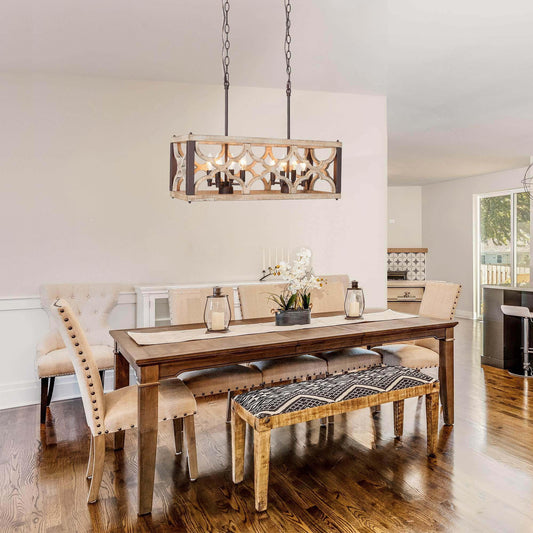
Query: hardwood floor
x,y
354,477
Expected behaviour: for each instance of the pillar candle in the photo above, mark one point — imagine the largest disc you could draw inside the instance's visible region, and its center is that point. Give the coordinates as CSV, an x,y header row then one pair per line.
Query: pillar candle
x,y
217,321
354,308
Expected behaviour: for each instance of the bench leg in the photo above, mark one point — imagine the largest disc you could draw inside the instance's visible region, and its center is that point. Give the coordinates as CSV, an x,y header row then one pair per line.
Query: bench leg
x,y
238,440
398,418
432,418
261,465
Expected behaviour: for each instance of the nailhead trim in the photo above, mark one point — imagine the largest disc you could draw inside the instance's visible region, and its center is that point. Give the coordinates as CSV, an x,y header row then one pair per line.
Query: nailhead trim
x,y
94,401
83,360
65,319
61,310
69,328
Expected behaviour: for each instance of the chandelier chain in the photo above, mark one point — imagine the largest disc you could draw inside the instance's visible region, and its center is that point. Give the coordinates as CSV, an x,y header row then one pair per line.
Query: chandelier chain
x,y
288,53
225,42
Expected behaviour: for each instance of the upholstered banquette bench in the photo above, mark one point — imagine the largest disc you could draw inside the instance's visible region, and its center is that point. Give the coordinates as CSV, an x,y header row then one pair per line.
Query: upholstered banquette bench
x,y
285,405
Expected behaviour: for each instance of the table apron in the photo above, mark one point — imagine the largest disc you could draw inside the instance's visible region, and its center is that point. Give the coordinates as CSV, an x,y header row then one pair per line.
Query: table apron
x,y
250,354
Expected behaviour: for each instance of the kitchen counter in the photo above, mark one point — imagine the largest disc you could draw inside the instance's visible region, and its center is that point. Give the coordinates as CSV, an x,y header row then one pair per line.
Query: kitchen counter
x,y
521,288
502,335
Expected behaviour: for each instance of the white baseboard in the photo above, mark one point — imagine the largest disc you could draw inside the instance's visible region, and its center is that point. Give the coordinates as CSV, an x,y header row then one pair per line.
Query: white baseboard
x,y
461,313
29,392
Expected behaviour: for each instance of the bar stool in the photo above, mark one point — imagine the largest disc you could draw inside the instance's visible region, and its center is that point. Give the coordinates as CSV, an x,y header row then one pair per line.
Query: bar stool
x,y
525,314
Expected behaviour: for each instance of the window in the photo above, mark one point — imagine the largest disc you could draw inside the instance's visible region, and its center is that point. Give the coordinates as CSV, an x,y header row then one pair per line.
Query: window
x,y
501,234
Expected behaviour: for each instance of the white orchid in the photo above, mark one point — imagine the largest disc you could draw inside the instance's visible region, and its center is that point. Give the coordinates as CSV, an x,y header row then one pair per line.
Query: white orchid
x,y
301,279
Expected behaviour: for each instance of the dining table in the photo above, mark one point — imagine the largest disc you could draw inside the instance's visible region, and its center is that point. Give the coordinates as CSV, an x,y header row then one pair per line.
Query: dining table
x,y
155,362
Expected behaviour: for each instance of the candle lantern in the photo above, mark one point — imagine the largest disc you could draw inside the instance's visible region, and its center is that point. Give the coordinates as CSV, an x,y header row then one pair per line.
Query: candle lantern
x,y
354,303
217,313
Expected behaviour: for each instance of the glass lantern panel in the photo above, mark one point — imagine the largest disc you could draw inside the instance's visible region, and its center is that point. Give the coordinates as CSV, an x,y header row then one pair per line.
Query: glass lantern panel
x,y
217,313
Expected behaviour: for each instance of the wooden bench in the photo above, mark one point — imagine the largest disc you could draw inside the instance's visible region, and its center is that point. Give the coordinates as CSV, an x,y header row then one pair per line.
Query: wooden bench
x,y
285,405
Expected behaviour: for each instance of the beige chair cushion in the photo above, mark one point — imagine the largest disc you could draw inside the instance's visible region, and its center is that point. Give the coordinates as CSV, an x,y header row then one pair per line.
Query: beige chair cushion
x,y
255,302
408,355
430,344
288,368
340,361
59,363
221,379
175,401
187,305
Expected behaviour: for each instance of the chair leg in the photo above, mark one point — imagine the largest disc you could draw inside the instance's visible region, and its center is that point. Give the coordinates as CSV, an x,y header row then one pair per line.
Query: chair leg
x,y
398,418
261,466
238,440
98,467
190,437
102,376
50,390
375,409
178,434
90,464
331,419
44,398
228,408
432,419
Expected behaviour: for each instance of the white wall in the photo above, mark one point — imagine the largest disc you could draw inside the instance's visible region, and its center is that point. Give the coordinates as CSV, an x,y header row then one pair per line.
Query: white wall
x,y
84,191
404,217
447,227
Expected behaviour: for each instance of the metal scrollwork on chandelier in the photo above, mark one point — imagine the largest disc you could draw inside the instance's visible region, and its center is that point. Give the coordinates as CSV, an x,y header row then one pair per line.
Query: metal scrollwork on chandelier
x,y
210,167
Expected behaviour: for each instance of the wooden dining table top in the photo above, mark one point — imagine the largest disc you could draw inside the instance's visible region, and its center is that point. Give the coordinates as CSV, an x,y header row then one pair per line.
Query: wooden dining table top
x,y
216,351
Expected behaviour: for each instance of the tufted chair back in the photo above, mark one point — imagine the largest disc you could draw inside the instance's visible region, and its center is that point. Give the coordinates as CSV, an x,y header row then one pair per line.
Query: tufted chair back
x,y
78,347
91,303
187,305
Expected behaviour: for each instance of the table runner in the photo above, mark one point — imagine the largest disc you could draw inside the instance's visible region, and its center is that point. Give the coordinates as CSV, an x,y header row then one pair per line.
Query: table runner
x,y
168,337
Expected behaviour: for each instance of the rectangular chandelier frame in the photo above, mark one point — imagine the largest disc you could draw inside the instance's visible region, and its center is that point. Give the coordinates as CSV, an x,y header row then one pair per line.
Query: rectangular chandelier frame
x,y
216,167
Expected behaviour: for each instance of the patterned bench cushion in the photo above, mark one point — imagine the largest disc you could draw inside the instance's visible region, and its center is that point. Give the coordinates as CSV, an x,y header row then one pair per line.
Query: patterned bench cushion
x,y
304,395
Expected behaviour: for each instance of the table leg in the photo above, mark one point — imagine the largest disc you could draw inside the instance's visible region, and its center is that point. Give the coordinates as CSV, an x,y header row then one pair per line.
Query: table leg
x,y
446,376
147,439
122,379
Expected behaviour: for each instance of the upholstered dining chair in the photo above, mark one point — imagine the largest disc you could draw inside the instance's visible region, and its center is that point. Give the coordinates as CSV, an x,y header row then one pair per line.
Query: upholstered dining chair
x,y
330,299
255,303
92,304
117,410
438,301
187,307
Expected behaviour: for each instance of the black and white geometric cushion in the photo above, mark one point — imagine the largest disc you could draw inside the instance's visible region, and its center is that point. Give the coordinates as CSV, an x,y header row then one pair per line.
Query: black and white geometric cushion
x,y
304,395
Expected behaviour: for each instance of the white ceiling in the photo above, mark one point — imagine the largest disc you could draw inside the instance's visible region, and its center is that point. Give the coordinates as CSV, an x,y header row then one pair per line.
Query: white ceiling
x,y
458,74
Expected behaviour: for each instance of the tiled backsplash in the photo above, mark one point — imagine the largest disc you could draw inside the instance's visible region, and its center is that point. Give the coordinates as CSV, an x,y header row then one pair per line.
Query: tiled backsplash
x,y
413,262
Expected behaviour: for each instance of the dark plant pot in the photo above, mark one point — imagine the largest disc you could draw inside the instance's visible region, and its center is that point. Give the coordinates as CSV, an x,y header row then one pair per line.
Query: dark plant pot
x,y
293,317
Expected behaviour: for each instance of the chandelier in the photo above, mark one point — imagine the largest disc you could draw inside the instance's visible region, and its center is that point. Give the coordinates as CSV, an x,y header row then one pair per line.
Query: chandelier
x,y
221,167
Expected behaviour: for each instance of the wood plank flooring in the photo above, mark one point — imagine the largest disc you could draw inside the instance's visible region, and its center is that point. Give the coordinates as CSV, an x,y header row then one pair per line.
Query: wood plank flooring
x,y
353,477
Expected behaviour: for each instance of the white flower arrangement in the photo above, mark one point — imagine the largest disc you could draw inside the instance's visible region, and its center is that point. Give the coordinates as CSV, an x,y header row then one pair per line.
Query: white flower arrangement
x,y
301,281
